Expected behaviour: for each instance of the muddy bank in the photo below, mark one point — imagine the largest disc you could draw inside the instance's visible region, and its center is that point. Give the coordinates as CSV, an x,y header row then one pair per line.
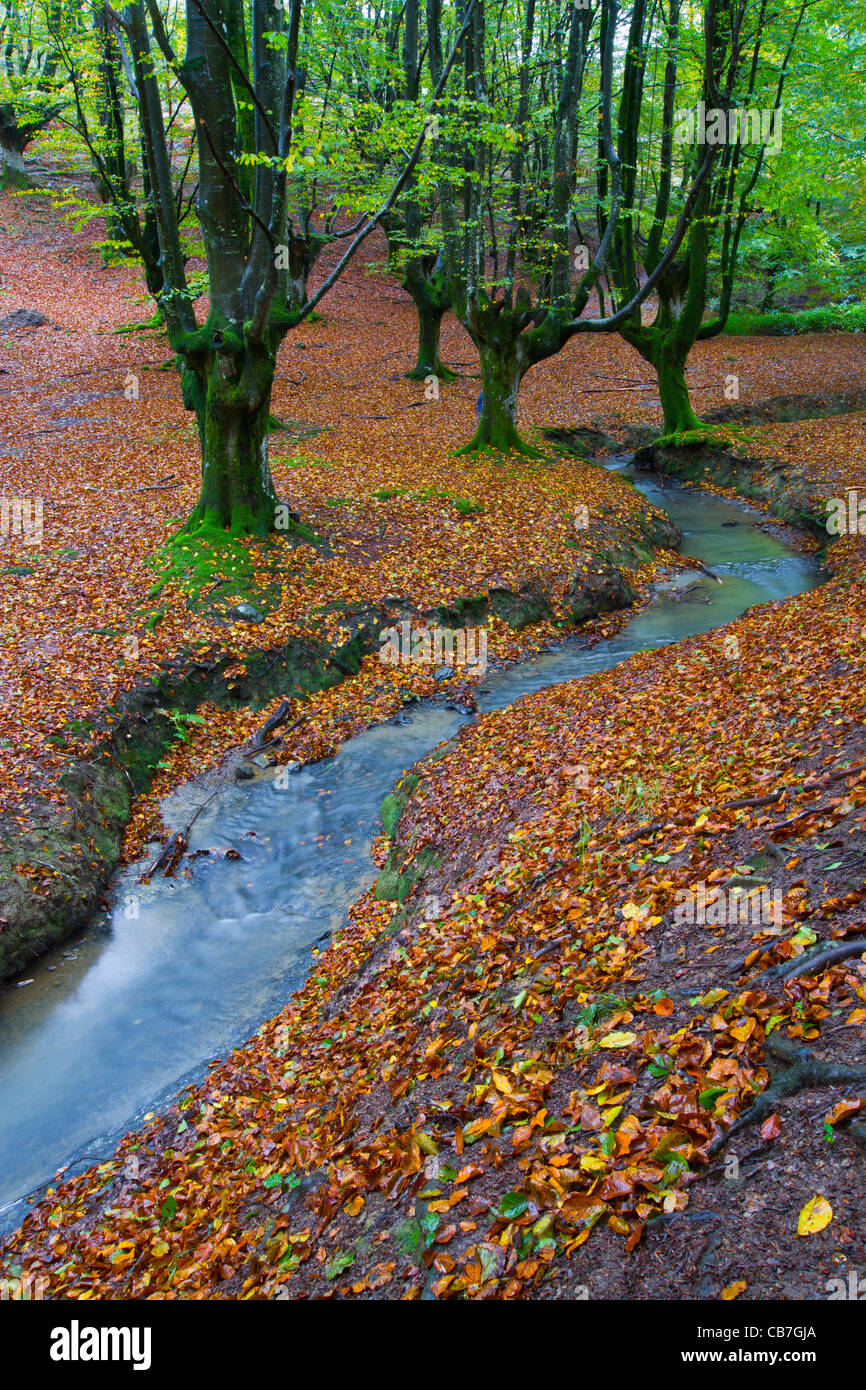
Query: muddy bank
x,y
724,464
54,871
776,410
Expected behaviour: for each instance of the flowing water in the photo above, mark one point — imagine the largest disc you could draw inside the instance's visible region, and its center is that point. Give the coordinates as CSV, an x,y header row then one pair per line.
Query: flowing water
x,y
115,1022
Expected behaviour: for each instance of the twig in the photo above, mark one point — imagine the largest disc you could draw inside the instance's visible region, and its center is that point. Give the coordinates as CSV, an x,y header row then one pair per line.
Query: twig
x,y
753,801
641,831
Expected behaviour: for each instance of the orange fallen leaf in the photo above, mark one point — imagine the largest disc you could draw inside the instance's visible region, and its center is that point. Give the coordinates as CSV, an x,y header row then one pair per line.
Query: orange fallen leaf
x,y
733,1291
771,1129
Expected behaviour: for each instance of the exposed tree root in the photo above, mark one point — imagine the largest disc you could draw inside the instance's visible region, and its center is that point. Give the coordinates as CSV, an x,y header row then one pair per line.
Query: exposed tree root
x,y
811,961
801,1068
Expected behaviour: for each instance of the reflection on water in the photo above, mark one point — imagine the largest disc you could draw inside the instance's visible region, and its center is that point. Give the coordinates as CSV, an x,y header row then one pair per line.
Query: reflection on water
x,y
185,968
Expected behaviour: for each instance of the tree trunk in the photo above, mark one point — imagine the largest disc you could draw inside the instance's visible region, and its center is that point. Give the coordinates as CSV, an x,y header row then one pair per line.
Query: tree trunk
x,y
502,369
677,407
424,281
658,346
304,250
429,361
111,125
232,405
12,170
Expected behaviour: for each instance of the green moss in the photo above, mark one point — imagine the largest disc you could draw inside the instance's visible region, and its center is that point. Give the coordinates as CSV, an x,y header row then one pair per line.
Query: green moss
x,y
389,813
466,507
196,560
387,888
718,436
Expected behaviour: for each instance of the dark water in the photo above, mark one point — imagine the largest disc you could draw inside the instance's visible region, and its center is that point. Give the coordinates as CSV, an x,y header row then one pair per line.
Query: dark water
x,y
114,1023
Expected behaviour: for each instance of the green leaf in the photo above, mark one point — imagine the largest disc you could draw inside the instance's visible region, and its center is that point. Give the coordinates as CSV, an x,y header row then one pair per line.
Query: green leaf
x,y
513,1205
342,1260
660,1066
168,1209
429,1223
709,1097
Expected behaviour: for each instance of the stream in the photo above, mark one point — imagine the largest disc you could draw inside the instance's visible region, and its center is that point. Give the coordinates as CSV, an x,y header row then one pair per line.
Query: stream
x,y
117,1020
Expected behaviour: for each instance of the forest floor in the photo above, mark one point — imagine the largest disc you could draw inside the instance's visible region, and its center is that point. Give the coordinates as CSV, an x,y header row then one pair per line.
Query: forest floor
x,y
538,1077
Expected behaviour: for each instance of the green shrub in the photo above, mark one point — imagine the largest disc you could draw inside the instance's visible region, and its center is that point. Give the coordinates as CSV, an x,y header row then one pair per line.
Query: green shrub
x,y
828,318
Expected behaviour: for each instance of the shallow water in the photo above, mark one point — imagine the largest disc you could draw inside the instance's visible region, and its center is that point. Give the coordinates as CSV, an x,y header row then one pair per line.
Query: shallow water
x,y
115,1021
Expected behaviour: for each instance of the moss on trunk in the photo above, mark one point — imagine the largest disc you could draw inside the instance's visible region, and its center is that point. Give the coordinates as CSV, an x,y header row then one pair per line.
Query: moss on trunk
x,y
502,371
230,392
429,360
676,404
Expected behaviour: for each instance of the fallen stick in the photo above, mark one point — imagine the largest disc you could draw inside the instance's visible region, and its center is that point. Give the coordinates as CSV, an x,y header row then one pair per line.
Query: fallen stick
x,y
753,801
280,715
644,830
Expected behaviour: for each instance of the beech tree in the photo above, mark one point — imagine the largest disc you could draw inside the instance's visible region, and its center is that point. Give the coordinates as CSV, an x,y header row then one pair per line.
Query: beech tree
x,y
729,99
241,78
31,88
415,249
377,71
507,176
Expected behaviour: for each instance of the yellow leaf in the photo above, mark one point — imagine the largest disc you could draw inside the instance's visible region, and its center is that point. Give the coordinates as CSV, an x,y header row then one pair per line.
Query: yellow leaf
x,y
591,1163
712,996
843,1110
816,1214
744,1030
618,1040
733,1290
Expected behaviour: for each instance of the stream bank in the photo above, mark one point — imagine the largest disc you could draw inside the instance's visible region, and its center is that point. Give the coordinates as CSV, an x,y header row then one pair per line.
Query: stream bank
x,y
54,869
189,967
724,465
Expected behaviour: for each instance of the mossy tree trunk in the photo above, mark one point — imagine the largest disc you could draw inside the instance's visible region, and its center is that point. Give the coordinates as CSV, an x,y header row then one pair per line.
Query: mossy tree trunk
x,y
667,353
667,342
229,388
425,281
502,351
674,393
429,358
